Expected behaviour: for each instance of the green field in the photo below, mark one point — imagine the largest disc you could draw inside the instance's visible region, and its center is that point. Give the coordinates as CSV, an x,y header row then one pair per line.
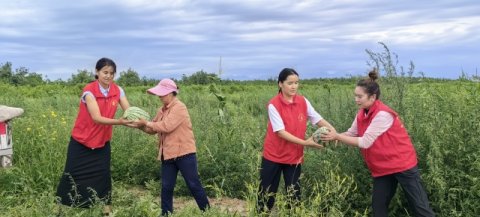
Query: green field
x,y
442,117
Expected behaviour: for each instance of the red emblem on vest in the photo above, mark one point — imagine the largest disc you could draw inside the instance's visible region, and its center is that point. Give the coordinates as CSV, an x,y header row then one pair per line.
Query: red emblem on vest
x,y
301,117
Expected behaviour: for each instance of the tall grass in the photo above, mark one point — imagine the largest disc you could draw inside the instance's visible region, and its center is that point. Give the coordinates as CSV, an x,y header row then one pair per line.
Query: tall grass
x,y
443,120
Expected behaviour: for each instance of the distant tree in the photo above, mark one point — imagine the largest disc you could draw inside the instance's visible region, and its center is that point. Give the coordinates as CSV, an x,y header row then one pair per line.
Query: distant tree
x,y
149,81
58,81
82,77
19,77
6,72
476,77
129,78
34,79
200,77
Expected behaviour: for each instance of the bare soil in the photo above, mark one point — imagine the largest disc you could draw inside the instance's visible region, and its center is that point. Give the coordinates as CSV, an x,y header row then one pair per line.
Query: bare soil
x,y
228,205
232,206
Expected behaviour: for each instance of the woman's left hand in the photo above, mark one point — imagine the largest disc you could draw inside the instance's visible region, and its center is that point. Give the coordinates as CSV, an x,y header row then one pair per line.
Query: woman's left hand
x,y
125,121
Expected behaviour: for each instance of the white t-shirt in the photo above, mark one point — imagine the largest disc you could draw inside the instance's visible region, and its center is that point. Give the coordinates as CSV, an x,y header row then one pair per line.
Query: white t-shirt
x,y
277,122
104,92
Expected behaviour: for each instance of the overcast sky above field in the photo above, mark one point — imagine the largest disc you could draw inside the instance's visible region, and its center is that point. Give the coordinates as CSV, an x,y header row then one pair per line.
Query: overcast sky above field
x,y
254,38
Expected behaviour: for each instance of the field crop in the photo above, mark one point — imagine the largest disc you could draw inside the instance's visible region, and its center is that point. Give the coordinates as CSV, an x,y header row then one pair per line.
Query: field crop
x,y
442,118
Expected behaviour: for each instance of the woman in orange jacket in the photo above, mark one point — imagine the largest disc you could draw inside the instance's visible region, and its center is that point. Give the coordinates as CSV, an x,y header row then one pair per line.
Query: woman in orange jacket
x,y
176,145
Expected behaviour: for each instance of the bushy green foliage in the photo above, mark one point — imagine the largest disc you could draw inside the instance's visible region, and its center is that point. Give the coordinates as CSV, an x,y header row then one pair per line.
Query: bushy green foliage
x,y
82,77
21,76
200,77
129,78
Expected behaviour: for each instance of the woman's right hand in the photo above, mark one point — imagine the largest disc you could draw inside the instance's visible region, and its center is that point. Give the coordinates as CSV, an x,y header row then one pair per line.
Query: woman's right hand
x,y
310,143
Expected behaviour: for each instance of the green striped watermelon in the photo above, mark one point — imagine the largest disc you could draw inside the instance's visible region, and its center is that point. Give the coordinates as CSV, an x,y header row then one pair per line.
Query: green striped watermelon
x,y
318,133
135,113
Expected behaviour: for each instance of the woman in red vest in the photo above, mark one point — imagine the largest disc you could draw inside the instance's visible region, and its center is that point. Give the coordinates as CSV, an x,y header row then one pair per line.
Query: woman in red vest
x,y
87,169
288,113
386,148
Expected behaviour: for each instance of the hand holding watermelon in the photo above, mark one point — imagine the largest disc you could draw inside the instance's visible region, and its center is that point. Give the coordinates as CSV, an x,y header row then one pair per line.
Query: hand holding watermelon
x,y
317,135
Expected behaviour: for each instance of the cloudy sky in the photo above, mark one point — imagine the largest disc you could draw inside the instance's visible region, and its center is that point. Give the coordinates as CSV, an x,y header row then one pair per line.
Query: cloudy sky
x,y
255,39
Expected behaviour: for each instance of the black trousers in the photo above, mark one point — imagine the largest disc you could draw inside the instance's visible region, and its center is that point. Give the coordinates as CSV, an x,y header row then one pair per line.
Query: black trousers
x,y
270,178
384,189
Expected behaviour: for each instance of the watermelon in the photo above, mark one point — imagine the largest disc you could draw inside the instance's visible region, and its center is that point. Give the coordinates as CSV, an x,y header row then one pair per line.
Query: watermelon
x,y
135,113
318,133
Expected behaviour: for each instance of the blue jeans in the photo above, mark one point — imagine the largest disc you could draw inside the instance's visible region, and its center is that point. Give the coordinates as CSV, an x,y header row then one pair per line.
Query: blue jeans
x,y
187,165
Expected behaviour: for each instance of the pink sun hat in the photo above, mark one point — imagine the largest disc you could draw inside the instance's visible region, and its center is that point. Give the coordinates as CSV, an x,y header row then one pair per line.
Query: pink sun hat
x,y
164,87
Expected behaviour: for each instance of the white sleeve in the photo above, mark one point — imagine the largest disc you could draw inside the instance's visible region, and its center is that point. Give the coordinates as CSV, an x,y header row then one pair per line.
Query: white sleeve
x,y
312,115
353,130
85,94
122,92
380,124
275,118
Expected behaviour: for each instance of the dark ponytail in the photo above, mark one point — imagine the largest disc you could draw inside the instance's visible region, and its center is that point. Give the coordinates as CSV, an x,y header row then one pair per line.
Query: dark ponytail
x,y
102,62
370,84
283,75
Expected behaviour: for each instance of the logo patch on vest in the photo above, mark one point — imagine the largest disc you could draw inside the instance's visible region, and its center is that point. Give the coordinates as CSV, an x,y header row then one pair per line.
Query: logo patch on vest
x,y
114,103
301,117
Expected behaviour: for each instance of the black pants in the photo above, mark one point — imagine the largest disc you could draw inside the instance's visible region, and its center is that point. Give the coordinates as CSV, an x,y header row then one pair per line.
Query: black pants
x,y
270,179
384,189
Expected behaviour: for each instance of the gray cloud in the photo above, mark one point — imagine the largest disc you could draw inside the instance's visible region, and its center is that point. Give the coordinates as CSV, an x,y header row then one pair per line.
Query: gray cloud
x,y
254,38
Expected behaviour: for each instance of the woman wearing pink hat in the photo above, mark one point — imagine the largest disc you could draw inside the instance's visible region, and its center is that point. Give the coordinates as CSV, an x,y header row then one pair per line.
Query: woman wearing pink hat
x,y
176,145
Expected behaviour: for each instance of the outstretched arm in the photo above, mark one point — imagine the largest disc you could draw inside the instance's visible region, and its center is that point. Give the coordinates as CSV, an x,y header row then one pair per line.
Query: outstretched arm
x,y
97,117
379,125
324,123
293,139
342,137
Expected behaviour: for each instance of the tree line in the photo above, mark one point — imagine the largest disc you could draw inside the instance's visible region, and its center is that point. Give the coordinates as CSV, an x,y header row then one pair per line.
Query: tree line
x,y
22,77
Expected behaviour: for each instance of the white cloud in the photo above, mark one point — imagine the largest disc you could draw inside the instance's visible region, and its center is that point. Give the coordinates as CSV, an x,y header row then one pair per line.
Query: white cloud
x,y
432,33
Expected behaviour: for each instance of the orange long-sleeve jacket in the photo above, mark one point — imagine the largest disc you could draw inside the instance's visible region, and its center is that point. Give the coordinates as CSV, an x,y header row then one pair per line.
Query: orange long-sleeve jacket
x,y
174,129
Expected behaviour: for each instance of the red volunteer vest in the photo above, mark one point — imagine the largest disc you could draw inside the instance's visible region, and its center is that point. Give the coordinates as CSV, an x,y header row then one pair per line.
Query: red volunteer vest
x,y
391,152
294,116
86,131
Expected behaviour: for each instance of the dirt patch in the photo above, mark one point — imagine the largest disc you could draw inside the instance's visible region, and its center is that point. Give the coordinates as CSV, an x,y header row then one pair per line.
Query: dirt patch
x,y
228,205
232,206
